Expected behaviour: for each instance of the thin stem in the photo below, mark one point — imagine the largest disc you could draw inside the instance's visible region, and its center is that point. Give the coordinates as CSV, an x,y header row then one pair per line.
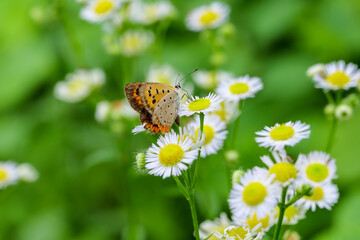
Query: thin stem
x,y
282,207
330,141
202,118
194,215
183,190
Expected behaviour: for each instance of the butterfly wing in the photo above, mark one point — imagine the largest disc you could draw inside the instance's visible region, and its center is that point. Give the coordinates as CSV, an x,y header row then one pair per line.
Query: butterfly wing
x,y
144,97
165,113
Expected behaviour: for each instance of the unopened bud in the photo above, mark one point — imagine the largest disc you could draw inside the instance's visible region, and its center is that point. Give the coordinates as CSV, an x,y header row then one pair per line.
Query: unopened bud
x,y
236,176
231,156
227,30
343,112
218,58
329,110
140,161
306,190
352,100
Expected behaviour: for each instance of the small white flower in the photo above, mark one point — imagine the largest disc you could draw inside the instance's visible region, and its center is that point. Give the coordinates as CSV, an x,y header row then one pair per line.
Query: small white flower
x,y
283,169
209,227
200,105
240,232
207,17
149,13
258,224
194,134
162,74
281,135
343,112
27,172
210,79
99,10
324,196
215,134
8,174
239,88
316,167
102,111
135,42
227,111
292,215
114,110
256,193
170,156
78,85
337,75
318,68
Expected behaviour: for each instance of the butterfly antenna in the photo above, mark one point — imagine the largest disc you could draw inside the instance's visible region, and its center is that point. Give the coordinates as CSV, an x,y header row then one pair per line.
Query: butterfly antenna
x,y
177,78
178,84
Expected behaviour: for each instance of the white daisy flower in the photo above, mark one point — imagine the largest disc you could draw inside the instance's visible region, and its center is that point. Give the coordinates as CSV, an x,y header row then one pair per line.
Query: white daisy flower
x,y
209,227
149,13
99,10
227,111
318,68
162,74
27,172
215,134
210,79
200,105
316,167
135,42
281,135
283,169
8,174
240,232
77,86
258,224
239,88
207,17
256,193
102,111
337,75
194,134
170,156
292,215
324,196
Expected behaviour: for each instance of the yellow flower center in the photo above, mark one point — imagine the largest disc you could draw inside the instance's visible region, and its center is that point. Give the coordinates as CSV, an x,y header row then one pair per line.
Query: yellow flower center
x,y
254,221
317,172
282,132
219,229
163,78
338,79
221,112
208,17
239,88
3,174
103,7
290,212
254,193
171,154
237,232
199,104
283,171
317,196
132,42
209,134
75,85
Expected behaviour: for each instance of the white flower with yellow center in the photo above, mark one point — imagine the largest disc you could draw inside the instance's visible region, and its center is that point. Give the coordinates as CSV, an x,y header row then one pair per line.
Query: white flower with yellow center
x,y
239,88
203,105
240,232
337,75
324,196
210,79
207,17
170,156
292,215
215,134
258,224
162,74
227,111
316,167
190,131
285,172
135,42
256,193
27,172
209,227
8,174
99,10
77,86
149,13
281,135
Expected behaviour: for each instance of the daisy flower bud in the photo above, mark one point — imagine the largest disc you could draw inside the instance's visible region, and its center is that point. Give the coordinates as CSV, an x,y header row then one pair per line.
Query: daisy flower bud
x,y
231,156
343,112
237,174
140,161
227,30
27,172
329,110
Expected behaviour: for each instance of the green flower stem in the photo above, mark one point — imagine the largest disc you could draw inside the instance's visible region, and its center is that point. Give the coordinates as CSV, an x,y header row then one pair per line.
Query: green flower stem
x,y
202,118
334,121
183,190
282,207
236,124
194,215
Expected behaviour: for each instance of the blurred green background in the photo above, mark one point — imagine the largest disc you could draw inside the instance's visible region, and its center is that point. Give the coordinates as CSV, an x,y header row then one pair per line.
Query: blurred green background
x,y
89,188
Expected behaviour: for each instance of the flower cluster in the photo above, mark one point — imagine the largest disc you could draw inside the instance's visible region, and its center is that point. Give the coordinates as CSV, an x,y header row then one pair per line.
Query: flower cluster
x,y
11,173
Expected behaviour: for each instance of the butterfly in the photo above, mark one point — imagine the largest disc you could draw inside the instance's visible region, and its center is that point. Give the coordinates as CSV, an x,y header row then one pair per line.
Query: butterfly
x,y
157,104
